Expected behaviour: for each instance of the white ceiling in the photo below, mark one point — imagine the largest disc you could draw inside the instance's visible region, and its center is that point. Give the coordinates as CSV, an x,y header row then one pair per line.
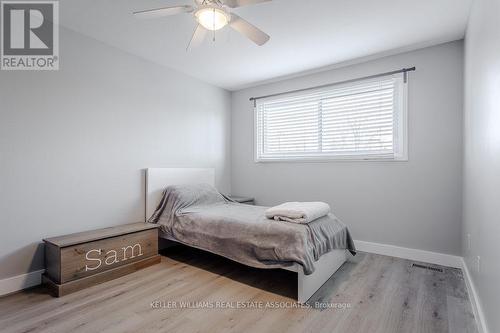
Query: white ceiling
x,y
305,34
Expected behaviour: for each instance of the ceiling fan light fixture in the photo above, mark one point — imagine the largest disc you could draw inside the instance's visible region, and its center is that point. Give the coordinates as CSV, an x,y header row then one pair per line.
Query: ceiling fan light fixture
x,y
212,18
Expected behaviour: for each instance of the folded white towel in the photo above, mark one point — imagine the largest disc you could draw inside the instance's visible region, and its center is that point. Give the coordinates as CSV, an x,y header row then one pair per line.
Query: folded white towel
x,y
298,212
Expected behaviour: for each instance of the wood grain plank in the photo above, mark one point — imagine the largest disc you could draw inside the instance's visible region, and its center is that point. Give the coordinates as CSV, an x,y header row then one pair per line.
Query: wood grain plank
x,y
111,253
104,276
89,236
386,295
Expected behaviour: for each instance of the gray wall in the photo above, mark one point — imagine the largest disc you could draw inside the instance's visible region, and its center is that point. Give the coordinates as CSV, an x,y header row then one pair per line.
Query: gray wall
x,y
74,143
415,204
482,155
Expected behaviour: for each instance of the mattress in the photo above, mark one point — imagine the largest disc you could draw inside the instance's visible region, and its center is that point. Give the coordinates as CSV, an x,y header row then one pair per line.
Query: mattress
x,y
201,217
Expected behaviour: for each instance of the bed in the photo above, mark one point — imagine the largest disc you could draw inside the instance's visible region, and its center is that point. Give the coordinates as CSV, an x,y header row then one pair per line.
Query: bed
x,y
191,211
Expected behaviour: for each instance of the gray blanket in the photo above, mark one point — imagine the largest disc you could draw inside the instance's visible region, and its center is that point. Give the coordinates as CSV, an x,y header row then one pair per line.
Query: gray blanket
x,y
199,216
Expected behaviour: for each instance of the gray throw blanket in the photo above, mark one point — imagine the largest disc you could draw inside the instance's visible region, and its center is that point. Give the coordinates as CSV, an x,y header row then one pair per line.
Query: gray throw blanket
x,y
201,217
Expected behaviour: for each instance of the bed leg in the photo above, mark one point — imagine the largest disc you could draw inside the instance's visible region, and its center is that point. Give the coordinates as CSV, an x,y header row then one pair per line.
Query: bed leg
x,y
302,296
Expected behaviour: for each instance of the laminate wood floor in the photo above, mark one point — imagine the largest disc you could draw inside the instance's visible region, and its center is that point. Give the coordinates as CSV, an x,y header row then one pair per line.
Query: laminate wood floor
x,y
369,293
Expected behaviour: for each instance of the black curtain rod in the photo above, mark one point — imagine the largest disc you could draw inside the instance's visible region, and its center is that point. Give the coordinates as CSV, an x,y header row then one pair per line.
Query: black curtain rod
x,y
404,70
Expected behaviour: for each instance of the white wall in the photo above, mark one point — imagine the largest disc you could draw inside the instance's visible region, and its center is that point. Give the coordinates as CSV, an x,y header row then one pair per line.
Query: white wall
x,y
415,204
482,155
74,143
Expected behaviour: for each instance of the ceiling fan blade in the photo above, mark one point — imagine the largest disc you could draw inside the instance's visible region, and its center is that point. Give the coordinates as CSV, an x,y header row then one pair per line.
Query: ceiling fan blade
x,y
160,12
198,36
253,33
239,3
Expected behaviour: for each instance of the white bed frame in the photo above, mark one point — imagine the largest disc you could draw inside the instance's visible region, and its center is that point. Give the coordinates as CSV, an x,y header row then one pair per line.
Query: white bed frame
x,y
159,178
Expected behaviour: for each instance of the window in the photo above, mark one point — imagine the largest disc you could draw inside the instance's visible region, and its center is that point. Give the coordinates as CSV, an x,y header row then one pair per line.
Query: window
x,y
360,120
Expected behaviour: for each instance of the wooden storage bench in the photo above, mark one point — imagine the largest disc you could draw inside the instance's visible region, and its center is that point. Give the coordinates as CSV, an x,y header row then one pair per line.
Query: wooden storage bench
x,y
77,261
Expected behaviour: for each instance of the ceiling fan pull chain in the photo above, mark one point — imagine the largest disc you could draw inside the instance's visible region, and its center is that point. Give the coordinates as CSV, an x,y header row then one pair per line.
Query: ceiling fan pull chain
x,y
214,25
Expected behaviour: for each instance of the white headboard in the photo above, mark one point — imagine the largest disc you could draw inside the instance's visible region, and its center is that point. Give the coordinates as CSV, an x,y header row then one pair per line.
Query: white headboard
x,y
157,179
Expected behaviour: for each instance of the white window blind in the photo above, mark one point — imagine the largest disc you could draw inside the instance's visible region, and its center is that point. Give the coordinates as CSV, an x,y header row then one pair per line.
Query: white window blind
x,y
361,120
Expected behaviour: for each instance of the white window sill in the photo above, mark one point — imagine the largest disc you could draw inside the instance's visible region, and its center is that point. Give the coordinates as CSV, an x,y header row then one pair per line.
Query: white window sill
x,y
331,159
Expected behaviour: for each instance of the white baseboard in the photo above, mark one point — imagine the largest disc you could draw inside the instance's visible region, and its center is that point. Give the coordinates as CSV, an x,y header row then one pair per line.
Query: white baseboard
x,y
23,281
411,254
475,300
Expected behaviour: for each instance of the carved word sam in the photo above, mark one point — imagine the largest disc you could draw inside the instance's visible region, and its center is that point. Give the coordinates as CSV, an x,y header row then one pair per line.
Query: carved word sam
x,y
111,257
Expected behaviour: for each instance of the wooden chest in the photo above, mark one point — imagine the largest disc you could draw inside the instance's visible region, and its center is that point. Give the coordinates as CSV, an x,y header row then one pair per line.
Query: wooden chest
x,y
76,261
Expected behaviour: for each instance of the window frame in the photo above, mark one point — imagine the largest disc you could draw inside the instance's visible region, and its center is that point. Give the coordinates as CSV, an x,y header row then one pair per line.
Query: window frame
x,y
401,152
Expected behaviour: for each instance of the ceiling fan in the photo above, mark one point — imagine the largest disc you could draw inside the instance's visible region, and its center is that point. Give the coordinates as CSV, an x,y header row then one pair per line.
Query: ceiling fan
x,y
212,15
